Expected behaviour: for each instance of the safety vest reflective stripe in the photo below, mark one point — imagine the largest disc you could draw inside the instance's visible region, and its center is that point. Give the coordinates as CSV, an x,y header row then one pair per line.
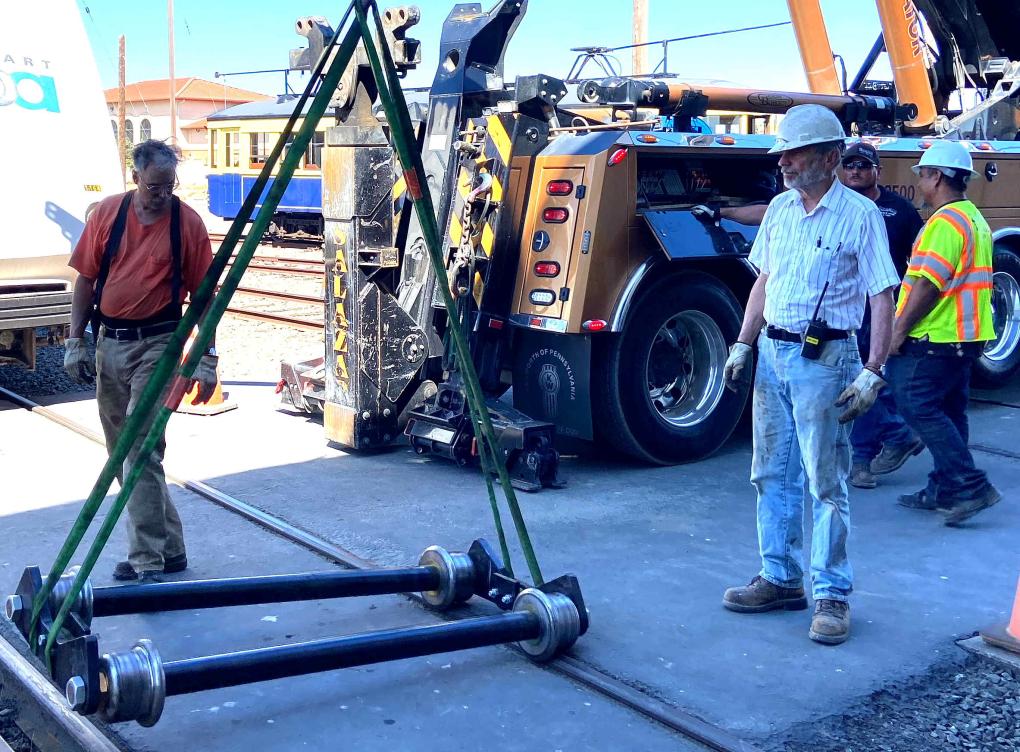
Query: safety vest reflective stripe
x,y
966,315
934,264
978,278
961,223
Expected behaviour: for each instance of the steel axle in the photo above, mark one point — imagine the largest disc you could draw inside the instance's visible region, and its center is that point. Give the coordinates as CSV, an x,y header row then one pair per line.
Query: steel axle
x,y
133,686
443,579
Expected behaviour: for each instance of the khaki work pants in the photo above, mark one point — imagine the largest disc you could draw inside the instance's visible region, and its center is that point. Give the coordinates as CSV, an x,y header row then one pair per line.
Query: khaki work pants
x,y
153,525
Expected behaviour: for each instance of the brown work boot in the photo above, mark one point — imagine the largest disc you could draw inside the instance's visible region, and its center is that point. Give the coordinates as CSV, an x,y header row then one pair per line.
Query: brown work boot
x,y
831,623
761,595
861,477
964,510
891,458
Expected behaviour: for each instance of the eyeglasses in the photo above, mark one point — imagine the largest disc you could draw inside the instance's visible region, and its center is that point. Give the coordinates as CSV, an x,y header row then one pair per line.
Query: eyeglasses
x,y
858,165
162,188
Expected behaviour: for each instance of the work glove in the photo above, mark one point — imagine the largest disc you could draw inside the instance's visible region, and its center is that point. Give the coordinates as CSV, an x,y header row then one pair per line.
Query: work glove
x,y
707,214
205,377
78,362
860,395
739,359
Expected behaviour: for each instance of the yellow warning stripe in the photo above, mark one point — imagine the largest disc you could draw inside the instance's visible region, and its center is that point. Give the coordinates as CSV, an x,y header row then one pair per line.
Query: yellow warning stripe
x,y
487,239
500,138
478,289
456,230
463,184
399,187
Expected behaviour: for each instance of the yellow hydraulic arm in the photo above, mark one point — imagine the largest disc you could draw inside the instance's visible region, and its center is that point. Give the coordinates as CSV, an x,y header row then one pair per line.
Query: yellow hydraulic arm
x,y
901,27
815,51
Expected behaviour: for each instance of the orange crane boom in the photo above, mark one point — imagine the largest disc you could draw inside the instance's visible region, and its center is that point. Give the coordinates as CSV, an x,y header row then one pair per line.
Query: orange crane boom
x,y
901,27
815,50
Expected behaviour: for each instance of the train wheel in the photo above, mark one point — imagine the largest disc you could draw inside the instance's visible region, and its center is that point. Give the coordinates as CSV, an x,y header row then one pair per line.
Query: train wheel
x,y
1001,358
660,394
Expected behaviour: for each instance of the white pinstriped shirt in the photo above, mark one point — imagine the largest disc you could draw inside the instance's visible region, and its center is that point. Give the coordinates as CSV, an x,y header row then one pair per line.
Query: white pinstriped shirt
x,y
842,240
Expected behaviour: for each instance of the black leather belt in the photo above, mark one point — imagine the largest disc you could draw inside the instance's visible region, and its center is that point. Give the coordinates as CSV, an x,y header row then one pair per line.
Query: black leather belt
x,y
915,346
774,332
138,332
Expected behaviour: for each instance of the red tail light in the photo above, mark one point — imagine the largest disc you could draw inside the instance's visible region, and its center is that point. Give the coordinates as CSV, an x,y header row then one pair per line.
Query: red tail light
x,y
559,188
594,325
555,215
617,156
547,269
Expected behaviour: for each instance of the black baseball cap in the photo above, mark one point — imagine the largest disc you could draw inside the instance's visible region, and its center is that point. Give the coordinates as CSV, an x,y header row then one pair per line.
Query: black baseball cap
x,y
864,151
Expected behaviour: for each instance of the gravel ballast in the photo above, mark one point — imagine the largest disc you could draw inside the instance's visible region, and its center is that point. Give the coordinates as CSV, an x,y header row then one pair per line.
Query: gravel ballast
x,y
9,731
970,704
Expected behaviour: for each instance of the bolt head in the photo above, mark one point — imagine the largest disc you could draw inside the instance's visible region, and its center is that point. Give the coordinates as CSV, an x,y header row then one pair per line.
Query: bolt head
x,y
493,593
75,692
506,600
13,606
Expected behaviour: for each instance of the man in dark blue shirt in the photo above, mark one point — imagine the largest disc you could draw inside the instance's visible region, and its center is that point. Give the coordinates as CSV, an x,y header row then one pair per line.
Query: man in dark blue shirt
x,y
881,439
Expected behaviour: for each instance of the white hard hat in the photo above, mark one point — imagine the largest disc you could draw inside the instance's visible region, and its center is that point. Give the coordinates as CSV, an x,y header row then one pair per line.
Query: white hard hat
x,y
947,157
807,124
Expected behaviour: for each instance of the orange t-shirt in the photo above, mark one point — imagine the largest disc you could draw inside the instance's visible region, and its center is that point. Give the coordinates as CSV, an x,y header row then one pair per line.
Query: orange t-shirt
x,y
140,279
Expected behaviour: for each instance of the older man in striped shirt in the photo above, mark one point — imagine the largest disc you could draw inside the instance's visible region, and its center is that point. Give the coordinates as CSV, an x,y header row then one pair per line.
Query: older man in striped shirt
x,y
823,253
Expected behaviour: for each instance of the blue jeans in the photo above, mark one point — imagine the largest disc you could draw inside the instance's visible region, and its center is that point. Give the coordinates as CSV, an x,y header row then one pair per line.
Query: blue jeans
x,y
882,425
932,389
797,434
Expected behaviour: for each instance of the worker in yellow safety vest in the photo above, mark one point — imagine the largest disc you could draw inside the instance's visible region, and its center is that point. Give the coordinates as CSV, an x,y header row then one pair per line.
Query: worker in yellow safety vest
x,y
943,319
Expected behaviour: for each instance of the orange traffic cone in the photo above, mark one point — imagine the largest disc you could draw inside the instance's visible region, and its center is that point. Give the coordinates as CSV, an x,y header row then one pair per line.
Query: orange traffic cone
x,y
1006,636
217,404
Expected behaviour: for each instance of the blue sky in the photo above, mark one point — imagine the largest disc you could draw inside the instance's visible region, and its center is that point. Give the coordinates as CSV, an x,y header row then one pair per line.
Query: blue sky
x,y
241,35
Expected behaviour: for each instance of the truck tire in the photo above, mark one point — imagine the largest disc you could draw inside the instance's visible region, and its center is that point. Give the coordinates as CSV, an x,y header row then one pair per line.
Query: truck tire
x,y
1001,358
659,390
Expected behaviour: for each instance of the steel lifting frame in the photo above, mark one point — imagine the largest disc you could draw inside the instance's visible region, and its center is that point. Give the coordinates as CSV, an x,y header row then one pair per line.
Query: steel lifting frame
x,y
133,685
55,615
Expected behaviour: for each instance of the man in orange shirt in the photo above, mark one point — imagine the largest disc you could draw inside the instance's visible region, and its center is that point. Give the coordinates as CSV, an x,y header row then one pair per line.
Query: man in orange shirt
x,y
140,253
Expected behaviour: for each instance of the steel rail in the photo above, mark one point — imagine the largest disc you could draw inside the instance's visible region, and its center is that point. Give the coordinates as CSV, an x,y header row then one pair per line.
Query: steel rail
x,y
683,722
217,237
285,260
277,295
285,270
42,712
272,318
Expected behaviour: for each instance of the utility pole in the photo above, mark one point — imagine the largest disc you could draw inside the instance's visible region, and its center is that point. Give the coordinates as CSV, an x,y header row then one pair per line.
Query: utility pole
x,y
173,83
639,62
122,111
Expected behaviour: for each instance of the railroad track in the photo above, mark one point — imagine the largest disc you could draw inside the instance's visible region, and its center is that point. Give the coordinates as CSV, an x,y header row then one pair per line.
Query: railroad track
x,y
584,672
217,238
305,268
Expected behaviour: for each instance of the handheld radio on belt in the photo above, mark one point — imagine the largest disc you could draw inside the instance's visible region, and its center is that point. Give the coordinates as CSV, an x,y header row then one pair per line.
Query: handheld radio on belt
x,y
815,336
